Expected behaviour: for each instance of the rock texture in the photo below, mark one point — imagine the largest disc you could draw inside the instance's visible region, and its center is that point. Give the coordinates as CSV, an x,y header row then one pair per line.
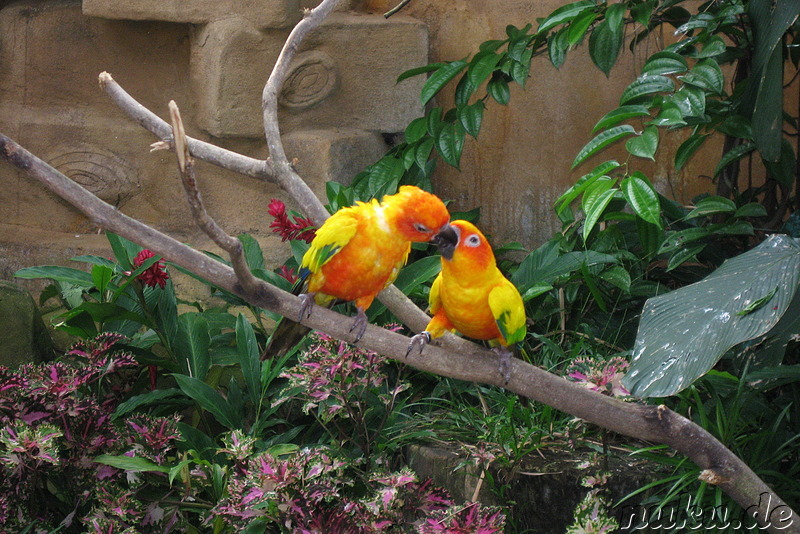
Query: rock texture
x,y
23,338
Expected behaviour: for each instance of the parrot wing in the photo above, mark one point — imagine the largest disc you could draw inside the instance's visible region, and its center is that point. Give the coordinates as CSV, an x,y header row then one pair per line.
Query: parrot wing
x,y
434,299
331,237
509,312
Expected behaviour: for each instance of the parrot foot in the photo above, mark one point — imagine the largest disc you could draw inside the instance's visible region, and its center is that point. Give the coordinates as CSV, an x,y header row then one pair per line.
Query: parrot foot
x,y
359,325
306,306
420,340
504,365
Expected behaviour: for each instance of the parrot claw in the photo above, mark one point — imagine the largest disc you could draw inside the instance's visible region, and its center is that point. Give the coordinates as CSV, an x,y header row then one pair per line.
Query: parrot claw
x,y
419,340
504,365
359,325
307,300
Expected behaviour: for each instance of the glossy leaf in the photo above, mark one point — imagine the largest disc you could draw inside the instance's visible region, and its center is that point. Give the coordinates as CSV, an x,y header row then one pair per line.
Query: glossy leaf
x,y
681,238
101,277
642,198
646,86
664,62
419,70
578,27
464,91
752,209
644,145
135,464
604,46
423,152
252,251
499,90
481,67
557,47
690,100
712,48
210,400
192,344
565,14
707,75
621,114
601,141
471,117
59,274
440,78
416,130
712,205
583,183
683,333
734,154
687,149
682,255
615,16
595,211
450,143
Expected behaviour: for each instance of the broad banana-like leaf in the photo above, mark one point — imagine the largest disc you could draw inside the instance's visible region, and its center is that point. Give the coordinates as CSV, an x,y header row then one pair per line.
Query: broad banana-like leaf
x,y
682,334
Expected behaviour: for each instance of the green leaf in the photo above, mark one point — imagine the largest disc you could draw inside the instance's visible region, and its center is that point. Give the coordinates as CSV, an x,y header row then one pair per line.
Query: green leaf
x,y
680,239
144,399
499,90
593,192
664,62
712,48
595,211
736,126
615,16
123,249
690,100
464,91
687,149
758,303
601,141
471,117
645,86
706,75
101,277
420,70
712,205
249,357
192,344
683,255
783,170
416,130
564,14
450,143
734,154
209,400
583,183
642,12
644,145
59,274
622,113
137,464
604,46
481,67
617,276
440,78
642,199
578,27
423,152
670,115
751,209
683,333
252,251
557,47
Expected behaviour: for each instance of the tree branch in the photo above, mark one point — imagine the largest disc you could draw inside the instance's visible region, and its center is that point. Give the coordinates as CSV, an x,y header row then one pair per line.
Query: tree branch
x,y
469,362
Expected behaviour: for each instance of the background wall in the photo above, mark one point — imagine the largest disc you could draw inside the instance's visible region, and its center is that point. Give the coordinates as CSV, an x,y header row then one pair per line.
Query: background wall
x,y
213,58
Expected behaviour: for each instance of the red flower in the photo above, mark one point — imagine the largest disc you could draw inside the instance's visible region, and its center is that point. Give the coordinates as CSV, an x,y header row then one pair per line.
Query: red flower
x,y
299,229
288,273
156,274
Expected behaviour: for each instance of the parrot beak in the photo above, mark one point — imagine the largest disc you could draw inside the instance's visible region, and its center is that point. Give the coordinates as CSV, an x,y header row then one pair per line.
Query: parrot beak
x,y
446,241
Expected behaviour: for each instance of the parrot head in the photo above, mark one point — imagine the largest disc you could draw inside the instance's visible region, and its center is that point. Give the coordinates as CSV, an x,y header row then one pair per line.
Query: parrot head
x,y
461,241
417,214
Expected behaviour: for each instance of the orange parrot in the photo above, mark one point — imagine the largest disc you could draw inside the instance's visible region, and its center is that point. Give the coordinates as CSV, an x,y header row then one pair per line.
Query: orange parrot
x,y
472,296
359,251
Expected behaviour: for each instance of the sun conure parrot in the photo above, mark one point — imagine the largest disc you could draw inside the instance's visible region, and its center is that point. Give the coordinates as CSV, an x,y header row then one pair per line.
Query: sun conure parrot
x,y
359,251
472,296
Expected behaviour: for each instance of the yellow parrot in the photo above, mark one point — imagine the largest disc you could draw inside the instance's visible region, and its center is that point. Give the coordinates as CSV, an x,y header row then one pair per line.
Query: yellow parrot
x,y
471,295
360,250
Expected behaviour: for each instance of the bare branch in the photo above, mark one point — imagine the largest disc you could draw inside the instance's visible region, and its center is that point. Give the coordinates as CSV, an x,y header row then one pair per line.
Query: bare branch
x,y
651,423
221,157
285,174
396,8
227,243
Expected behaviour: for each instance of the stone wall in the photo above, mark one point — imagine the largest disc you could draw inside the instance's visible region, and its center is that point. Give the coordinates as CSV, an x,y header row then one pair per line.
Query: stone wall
x,y
213,57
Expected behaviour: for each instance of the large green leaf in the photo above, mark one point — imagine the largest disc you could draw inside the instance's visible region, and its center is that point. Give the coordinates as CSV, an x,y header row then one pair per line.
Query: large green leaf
x,y
595,209
601,141
209,399
644,145
249,357
59,274
583,183
642,198
450,143
130,463
604,46
192,344
440,78
687,149
684,333
565,14
622,113
646,86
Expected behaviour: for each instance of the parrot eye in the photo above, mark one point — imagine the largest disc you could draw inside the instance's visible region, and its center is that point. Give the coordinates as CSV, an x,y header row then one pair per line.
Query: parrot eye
x,y
473,240
421,228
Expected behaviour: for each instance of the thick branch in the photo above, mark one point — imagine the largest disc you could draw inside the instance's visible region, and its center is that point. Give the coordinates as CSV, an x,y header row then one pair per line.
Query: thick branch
x,y
471,362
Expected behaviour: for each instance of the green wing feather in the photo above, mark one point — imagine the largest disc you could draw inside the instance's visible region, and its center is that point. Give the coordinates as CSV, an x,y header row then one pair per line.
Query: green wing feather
x,y
509,312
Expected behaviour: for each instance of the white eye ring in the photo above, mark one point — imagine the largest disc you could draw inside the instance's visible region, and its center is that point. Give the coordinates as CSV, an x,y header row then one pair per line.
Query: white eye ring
x,y
421,228
473,241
